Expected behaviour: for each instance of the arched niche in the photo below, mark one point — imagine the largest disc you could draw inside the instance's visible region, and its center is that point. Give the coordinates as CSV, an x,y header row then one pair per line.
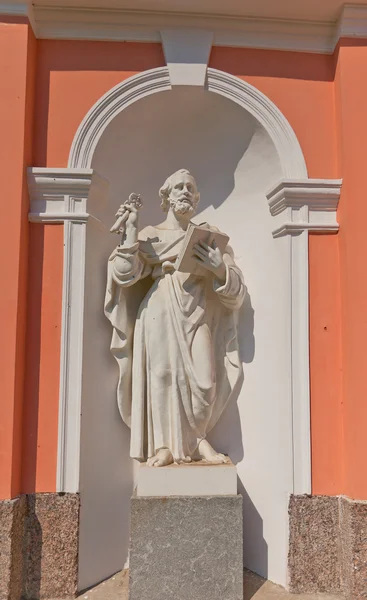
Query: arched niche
x,y
236,155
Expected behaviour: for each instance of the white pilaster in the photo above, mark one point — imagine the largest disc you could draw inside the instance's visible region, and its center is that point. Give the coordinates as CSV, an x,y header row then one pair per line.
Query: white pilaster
x,y
300,206
71,196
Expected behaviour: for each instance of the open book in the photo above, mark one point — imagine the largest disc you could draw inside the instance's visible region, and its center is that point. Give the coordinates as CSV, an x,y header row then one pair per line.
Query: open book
x,y
185,261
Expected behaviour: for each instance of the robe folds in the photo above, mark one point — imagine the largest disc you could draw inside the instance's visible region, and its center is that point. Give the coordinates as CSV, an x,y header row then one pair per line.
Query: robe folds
x,y
175,342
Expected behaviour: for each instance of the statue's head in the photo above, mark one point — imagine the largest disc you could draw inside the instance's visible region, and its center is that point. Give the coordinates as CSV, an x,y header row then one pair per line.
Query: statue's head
x,y
180,193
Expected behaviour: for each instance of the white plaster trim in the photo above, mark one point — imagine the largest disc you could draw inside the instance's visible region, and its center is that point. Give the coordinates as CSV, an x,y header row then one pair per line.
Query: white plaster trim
x,y
300,206
19,9
70,196
157,80
187,54
352,22
14,8
60,22
294,228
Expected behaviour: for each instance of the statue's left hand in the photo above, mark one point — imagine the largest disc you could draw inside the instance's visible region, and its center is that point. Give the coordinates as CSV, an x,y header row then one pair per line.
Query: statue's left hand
x,y
210,257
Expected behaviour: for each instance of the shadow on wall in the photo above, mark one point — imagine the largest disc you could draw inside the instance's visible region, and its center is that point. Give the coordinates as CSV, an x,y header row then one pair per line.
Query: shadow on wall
x,y
253,529
32,551
227,434
184,128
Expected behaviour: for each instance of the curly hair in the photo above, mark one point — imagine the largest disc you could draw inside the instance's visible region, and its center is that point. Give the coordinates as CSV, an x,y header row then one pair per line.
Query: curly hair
x,y
166,188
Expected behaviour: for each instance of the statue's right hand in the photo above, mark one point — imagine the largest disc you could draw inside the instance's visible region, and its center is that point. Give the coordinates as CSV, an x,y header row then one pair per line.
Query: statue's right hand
x,y
133,216
131,223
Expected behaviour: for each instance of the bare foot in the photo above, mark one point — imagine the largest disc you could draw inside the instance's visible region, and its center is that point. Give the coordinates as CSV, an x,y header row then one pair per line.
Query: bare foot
x,y
206,452
161,459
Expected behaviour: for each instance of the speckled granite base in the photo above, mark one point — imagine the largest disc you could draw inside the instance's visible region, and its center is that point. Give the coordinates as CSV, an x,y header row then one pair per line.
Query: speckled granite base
x,y
12,519
186,548
328,546
353,531
314,564
51,546
39,547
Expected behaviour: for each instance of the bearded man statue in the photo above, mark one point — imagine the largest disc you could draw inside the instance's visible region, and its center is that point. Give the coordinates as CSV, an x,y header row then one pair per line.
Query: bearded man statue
x,y
174,333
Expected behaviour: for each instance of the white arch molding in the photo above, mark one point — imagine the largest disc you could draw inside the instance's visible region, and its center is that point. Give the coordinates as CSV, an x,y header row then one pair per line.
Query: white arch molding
x,y
158,80
72,195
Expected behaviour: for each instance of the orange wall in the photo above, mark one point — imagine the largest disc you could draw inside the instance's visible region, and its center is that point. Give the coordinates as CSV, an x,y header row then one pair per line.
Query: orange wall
x,y
72,76
351,103
40,421
16,123
326,366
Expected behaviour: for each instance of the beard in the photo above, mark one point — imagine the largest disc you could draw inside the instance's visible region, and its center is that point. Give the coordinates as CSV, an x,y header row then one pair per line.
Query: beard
x,y
182,207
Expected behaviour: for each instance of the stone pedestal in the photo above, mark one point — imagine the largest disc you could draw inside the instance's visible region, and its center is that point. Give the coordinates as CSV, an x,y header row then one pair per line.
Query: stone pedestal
x,y
186,547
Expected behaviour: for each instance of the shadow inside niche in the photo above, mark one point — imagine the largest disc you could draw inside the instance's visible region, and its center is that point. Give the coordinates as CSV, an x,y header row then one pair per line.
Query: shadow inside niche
x,y
255,548
251,584
32,552
226,436
246,339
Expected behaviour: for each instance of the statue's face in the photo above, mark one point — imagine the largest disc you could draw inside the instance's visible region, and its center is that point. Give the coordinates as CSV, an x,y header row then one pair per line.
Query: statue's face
x,y
183,195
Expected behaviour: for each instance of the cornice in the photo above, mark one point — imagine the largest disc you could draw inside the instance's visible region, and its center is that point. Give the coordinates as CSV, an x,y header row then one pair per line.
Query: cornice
x,y
19,9
317,194
299,205
60,22
14,8
352,22
58,195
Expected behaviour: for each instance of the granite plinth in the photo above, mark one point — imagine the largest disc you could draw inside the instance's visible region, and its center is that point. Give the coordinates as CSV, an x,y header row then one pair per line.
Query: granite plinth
x,y
187,548
12,519
314,544
195,479
328,546
51,546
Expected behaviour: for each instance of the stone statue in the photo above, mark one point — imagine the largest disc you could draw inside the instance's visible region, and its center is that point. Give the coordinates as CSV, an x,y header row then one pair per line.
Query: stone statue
x,y
174,333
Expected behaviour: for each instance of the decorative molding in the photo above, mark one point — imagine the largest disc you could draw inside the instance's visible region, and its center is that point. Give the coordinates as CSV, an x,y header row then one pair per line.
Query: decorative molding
x,y
71,196
278,34
112,103
59,195
305,204
157,80
352,22
14,8
19,9
65,22
187,54
292,228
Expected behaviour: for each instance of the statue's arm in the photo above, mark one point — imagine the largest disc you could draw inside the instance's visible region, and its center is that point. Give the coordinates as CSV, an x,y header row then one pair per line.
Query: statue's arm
x,y
232,291
128,266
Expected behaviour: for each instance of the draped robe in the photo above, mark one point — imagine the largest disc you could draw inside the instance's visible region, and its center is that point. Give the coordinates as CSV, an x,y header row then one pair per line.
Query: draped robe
x,y
168,397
